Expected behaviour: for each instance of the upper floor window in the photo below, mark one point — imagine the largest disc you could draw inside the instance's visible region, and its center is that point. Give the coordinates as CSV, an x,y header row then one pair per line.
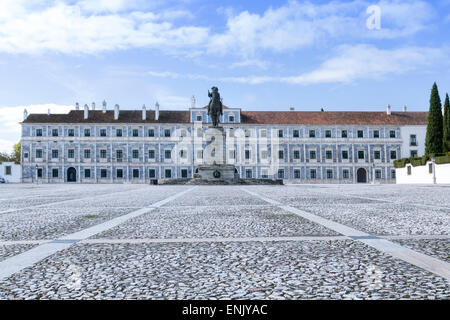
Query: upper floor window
x,y
87,132
392,133
312,154
87,153
360,154
167,133
312,133
167,154
247,133
232,154
199,117
71,132
183,133
71,153
376,133
329,154
263,133
183,154
296,154
102,132
344,133
38,153
135,133
264,154
327,133
329,174
280,133
413,153
231,118
135,154
345,154
296,133
119,154
151,132
393,154
55,154
54,132
38,132
280,154
118,132
413,140
360,134
247,154
377,155
103,153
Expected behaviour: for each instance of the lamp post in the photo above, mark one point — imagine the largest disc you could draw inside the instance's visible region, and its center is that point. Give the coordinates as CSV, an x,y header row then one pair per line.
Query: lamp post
x,y
36,169
373,173
433,160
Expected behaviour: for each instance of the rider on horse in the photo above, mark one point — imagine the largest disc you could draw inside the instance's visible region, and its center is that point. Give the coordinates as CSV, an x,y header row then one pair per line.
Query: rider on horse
x,y
215,106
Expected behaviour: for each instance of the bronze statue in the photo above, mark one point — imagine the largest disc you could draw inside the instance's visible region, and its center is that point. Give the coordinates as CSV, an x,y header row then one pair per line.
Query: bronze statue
x,y
215,106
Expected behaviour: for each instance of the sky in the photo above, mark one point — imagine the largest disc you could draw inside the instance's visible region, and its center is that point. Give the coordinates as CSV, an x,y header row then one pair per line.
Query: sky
x,y
352,55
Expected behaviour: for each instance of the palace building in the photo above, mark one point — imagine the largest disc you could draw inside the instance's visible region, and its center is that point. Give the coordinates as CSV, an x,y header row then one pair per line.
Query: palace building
x,y
141,146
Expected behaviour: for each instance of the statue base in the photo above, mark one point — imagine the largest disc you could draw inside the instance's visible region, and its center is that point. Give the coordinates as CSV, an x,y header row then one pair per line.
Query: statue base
x,y
216,171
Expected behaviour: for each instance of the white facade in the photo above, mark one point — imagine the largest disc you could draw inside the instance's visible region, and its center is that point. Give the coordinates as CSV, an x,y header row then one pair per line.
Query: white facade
x,y
10,171
424,174
413,140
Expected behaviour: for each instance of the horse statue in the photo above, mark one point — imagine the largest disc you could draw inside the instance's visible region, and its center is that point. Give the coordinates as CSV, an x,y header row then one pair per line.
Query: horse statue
x,y
215,106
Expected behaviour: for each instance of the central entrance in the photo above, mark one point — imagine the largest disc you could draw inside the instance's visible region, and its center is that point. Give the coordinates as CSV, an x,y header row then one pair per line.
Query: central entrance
x,y
71,175
361,175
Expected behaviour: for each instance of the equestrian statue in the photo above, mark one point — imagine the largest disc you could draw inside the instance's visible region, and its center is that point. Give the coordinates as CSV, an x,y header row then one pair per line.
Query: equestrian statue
x,y
215,106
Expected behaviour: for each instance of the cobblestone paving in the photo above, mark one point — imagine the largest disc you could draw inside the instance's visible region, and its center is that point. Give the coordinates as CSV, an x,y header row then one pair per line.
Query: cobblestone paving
x,y
283,269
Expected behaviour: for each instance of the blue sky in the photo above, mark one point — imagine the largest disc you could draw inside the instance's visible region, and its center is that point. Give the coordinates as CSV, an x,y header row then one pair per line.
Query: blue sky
x,y
263,55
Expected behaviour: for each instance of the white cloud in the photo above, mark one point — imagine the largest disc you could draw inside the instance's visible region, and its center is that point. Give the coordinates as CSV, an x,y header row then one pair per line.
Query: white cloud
x,y
11,116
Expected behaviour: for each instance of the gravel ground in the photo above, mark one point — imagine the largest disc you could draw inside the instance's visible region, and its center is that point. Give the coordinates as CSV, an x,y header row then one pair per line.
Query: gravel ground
x,y
207,222
439,249
7,251
278,270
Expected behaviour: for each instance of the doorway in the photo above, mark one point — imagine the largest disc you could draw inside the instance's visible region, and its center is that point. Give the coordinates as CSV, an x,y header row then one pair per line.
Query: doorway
x,y
71,175
361,175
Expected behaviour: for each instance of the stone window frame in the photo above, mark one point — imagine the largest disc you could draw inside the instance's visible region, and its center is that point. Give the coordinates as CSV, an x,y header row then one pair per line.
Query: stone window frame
x,y
358,153
103,151
378,174
390,133
53,132
281,176
166,152
315,154
134,152
413,141
69,130
183,153
266,154
348,154
330,132
154,173
328,170
152,159
249,152
85,173
296,150
183,132
84,153
134,170
281,154
166,175
153,130
119,130
247,133
199,115
344,173
311,171
261,133
53,173
117,173
299,173
39,130
357,133
166,130
374,151
105,130
327,151
247,170
133,131
294,131
53,153
184,170
373,133
314,135
346,133
280,133
119,150
101,173
231,118
69,152
390,154
39,155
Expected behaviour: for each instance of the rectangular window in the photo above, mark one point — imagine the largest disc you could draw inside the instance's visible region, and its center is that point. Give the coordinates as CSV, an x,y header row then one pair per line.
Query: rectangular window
x,y
167,133
247,154
55,173
54,132
296,174
393,154
8,170
280,133
345,174
377,174
345,154
392,133
296,154
248,173
413,153
167,154
151,154
232,154
87,132
168,173
329,174
135,133
413,140
264,154
25,155
360,154
199,118
39,153
392,174
376,134
135,154
151,132
102,132
152,173
327,133
280,173
360,134
103,173
263,133
119,173
312,154
39,172
296,133
38,132
54,154
344,133
71,153
103,154
87,173
247,133
184,173
264,174
119,132
119,155
328,154
231,119
135,173
312,174
377,155
183,133
71,132
312,133
280,154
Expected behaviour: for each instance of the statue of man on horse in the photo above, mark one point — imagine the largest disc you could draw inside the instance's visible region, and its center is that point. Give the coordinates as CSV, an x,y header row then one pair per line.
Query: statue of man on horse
x,y
215,106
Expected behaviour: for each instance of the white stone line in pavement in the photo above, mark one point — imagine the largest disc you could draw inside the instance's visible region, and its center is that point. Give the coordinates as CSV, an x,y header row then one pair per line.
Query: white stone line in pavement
x,y
418,237
420,260
13,242
64,201
194,240
26,259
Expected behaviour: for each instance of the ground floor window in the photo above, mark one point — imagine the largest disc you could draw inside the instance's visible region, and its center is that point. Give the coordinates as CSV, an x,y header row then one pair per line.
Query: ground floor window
x,y
184,173
392,174
87,173
55,173
135,173
377,174
103,173
119,173
345,174
8,170
152,173
248,173
329,174
297,174
280,173
168,173
312,174
39,172
264,174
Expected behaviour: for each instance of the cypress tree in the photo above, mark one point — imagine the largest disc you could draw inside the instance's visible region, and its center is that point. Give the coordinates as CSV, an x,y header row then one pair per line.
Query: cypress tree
x,y
446,137
433,139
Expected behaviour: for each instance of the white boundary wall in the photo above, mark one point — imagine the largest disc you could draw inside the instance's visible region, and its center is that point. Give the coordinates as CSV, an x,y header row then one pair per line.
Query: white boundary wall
x,y
421,174
15,175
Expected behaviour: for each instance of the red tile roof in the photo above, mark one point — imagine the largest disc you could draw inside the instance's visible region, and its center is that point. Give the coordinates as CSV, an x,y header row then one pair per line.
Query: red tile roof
x,y
247,117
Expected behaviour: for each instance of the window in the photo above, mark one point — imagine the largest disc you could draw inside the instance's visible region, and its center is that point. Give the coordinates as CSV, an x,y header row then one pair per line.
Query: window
x,y
71,132
263,133
312,133
39,172
231,119
102,132
71,153
103,173
296,174
119,173
25,155
312,154
103,153
87,132
199,117
345,174
296,154
413,153
247,154
312,173
409,170
54,154
38,132
392,174
184,173
345,154
280,133
87,173
377,155
344,133
280,173
248,173
119,155
55,173
280,154
327,133
118,132
167,154
329,174
360,134
151,132
393,154
151,154
264,174
376,133
247,133
167,133
296,134
360,154
39,153
183,133
135,173
151,173
413,140
232,154
392,133
328,154
264,154
54,132
378,174
8,170
200,154
135,133
135,154
168,173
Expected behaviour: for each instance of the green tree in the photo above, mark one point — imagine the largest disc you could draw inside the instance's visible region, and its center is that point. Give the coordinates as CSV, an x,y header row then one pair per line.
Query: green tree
x,y
446,124
433,139
16,153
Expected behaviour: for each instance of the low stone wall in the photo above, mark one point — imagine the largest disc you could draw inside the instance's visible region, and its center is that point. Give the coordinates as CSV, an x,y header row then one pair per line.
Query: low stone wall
x,y
423,174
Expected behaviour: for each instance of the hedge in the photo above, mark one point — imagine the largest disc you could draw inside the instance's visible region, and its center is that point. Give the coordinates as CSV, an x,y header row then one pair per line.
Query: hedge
x,y
415,161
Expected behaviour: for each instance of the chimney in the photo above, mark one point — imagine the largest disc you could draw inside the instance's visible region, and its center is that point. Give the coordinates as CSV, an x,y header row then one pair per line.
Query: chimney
x,y
77,106
404,108
25,114
157,111
116,112
86,111
144,112
388,110
93,105
104,106
192,102
48,111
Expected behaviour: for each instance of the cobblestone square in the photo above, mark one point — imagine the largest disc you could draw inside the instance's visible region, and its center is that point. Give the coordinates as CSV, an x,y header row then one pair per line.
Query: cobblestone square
x,y
74,241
